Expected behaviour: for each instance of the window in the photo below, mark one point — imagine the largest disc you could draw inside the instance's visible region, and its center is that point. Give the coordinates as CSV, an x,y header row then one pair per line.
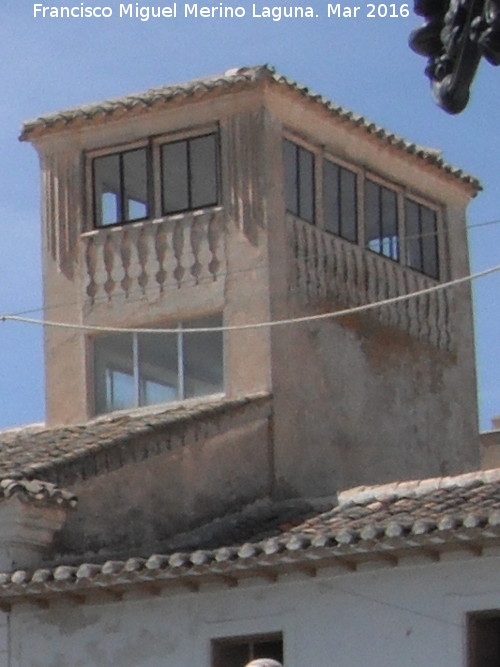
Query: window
x,y
236,652
381,220
339,201
189,174
421,238
483,631
121,187
123,181
136,369
299,181
414,243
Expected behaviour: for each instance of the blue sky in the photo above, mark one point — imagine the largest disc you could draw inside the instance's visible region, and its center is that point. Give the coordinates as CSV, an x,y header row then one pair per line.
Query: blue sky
x,y
361,63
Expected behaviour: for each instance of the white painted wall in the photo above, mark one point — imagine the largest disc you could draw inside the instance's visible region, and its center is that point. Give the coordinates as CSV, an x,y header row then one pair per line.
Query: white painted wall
x,y
412,615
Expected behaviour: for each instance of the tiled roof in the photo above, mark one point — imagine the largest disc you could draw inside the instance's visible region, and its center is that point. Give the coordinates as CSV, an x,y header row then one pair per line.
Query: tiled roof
x,y
66,454
386,522
231,80
409,508
36,491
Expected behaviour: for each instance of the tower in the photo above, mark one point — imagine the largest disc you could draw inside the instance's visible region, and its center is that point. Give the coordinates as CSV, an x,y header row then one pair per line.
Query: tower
x,y
244,199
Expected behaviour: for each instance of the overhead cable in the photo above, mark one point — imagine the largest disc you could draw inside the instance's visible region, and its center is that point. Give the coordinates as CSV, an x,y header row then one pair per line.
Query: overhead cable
x,y
258,325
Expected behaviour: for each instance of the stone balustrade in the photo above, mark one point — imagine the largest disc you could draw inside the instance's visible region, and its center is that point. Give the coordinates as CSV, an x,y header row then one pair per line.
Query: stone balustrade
x,y
326,267
153,256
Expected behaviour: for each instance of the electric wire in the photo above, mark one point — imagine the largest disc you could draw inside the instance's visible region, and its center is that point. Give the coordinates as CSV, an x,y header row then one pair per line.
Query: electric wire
x,y
319,256
257,325
167,284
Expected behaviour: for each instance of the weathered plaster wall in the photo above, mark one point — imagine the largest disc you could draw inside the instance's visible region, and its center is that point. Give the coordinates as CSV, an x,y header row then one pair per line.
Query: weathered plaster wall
x,y
133,509
380,396
409,615
490,449
365,400
215,261
391,408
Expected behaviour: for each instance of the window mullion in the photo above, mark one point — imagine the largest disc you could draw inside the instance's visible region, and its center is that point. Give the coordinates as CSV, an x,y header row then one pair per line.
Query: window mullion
x,y
180,361
135,361
121,201
339,201
297,179
380,222
189,176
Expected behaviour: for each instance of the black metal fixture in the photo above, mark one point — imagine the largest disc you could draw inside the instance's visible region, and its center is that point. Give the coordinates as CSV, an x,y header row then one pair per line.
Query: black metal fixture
x,y
456,34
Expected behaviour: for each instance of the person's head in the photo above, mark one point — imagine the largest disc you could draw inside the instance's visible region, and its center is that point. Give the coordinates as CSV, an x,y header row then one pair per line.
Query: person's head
x,y
264,662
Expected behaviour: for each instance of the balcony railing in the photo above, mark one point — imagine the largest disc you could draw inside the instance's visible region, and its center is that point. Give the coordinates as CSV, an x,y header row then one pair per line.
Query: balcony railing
x,y
153,256
325,267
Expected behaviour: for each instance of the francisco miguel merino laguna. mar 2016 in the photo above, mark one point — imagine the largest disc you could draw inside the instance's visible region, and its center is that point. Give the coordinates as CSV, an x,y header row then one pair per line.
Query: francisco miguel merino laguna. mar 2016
x,y
220,10
174,10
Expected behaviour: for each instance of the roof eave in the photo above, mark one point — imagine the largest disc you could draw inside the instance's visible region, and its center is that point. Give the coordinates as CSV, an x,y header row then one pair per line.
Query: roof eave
x,y
229,82
228,566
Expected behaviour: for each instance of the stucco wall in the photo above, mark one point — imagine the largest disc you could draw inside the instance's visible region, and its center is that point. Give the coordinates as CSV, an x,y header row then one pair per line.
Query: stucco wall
x,y
135,508
391,408
412,615
384,395
355,402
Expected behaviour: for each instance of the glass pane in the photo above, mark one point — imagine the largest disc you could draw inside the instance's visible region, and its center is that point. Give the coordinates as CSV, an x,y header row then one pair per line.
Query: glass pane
x,y
106,190
306,185
290,169
331,197
135,184
203,358
158,376
175,177
348,205
114,386
390,240
110,208
372,216
203,163
430,261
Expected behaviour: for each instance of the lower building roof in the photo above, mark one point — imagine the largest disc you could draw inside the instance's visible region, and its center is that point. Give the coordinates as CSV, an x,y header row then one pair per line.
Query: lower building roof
x,y
384,523
67,454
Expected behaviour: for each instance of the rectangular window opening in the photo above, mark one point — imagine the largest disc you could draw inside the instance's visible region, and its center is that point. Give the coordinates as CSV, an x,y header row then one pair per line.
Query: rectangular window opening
x,y
340,201
189,172
421,238
299,181
121,187
138,369
381,220
238,651
483,639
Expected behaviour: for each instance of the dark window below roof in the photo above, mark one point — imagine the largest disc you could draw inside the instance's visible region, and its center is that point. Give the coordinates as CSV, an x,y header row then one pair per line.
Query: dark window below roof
x,y
236,652
483,631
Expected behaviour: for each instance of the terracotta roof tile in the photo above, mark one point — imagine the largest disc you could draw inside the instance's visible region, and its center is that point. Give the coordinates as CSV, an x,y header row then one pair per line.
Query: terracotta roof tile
x,y
233,79
430,515
67,453
36,491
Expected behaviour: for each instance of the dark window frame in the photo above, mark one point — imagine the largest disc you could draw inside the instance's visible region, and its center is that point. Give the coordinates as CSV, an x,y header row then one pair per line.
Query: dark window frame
x,y
392,208
297,186
188,140
154,176
341,232
425,262
394,240
149,186
252,646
